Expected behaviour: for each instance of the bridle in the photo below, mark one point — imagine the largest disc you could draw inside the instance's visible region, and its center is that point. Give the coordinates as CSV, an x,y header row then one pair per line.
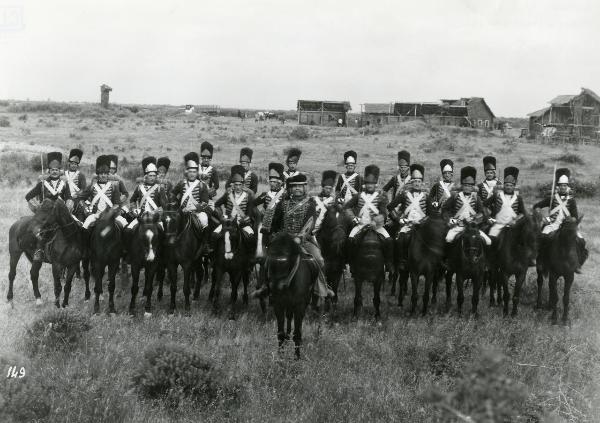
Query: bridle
x,y
475,253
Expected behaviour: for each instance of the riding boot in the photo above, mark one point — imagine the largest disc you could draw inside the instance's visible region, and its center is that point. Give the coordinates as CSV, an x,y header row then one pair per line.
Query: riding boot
x,y
582,253
38,256
403,253
388,254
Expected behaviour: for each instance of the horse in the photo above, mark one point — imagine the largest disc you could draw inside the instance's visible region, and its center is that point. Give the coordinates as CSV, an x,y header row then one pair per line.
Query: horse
x,y
144,252
367,265
181,247
466,258
425,254
332,239
106,245
558,256
292,279
515,247
231,256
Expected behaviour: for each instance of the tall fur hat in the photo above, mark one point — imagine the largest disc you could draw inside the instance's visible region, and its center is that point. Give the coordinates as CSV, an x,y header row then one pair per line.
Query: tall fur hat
x,y
208,147
328,178
489,163
149,165
54,159
113,159
191,160
102,164
163,161
417,170
447,165
404,155
468,174
562,175
371,174
237,173
246,154
511,174
276,171
293,153
75,152
350,156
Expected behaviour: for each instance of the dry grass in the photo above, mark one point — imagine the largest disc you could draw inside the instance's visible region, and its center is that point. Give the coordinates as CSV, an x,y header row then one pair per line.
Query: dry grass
x,y
352,370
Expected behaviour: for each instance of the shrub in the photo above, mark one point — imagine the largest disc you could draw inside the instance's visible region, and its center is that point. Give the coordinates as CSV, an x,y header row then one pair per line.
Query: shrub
x,y
23,400
4,122
300,133
570,158
440,144
580,189
175,373
23,117
537,165
59,329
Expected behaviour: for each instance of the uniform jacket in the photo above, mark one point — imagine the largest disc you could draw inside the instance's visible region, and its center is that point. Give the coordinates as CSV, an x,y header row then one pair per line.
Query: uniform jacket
x,y
292,215
52,189
199,194
158,195
96,201
356,182
356,205
396,184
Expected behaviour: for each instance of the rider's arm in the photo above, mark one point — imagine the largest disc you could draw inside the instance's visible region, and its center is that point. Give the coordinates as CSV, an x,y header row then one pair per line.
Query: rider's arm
x,y
253,183
572,206
214,179
448,207
521,210
137,195
35,192
351,204
221,201
542,204
395,202
277,221
390,184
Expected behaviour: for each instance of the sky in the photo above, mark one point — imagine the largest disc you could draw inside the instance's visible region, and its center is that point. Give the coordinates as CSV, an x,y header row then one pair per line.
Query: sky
x,y
267,54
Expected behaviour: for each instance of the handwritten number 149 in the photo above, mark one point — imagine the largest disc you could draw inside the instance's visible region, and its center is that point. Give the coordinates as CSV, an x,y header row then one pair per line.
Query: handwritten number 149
x,y
15,372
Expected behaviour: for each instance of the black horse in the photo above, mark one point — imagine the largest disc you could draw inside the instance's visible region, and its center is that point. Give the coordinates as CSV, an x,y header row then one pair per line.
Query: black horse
x,y
144,251
332,239
291,279
425,254
231,256
367,265
106,245
514,249
466,258
558,256
181,248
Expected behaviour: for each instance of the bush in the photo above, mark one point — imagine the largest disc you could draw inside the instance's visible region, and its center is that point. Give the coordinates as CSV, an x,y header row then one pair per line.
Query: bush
x,y
570,158
580,189
23,117
300,133
23,400
4,122
175,373
537,165
440,144
59,329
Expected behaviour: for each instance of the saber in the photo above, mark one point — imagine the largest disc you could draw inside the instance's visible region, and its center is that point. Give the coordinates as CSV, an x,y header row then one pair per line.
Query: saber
x,y
42,163
552,191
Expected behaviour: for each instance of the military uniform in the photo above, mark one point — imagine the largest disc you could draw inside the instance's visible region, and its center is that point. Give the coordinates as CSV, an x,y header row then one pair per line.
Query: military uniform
x,y
505,208
148,198
265,205
485,188
75,180
294,156
323,201
349,183
397,183
250,178
442,190
192,196
238,206
114,161
163,164
463,207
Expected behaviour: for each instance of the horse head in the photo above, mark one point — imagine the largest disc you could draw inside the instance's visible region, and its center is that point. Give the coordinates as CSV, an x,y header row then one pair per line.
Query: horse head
x,y
526,231
231,237
149,234
283,254
171,219
472,245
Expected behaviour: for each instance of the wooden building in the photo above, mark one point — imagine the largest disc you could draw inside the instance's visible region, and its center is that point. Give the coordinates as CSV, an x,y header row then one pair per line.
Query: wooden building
x,y
569,118
326,113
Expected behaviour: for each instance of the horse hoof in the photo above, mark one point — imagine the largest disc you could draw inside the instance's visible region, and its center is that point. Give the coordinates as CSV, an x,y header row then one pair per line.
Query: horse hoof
x,y
101,297
11,304
38,302
171,312
57,304
147,314
232,317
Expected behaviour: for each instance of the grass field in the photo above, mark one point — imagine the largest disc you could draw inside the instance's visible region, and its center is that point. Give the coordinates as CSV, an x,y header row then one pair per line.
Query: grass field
x,y
438,368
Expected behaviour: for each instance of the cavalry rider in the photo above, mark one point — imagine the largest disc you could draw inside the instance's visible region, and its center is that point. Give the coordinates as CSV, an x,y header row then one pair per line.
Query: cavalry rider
x,y
238,204
442,190
296,215
163,164
101,194
368,208
74,178
349,183
113,176
463,206
268,200
563,205
52,188
207,173
409,208
192,196
397,182
325,198
293,156
486,187
149,196
250,178
506,204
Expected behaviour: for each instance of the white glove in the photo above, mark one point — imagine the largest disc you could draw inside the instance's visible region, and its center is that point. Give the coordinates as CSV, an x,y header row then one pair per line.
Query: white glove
x,y
453,221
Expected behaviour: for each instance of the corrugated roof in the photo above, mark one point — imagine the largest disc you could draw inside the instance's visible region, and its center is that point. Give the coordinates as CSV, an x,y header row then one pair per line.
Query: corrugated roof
x,y
562,99
378,108
591,94
538,113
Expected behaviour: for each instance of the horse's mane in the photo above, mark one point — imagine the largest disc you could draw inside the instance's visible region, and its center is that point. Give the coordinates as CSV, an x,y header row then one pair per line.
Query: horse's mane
x,y
283,244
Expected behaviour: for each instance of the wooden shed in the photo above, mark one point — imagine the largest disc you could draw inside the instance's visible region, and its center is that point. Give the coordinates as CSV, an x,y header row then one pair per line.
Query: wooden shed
x,y
326,113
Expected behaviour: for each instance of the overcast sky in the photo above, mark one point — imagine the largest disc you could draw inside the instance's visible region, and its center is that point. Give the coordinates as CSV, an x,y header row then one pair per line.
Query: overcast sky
x,y
267,54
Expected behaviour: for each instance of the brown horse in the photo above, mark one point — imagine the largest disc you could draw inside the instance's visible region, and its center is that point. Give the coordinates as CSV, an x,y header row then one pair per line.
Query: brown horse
x,y
291,279
367,265
558,256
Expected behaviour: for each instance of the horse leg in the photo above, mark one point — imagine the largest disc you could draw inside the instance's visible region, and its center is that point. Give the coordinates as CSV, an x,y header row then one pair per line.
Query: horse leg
x,y
188,276
505,294
235,281
434,287
160,277
540,287
289,317
56,274
280,315
35,274
135,280
448,278
298,317
124,278
475,298
246,282
414,288
460,298
68,281
172,272
112,276
98,275
199,277
566,297
14,260
552,285
86,277
392,277
428,279
357,296
149,272
376,295
519,279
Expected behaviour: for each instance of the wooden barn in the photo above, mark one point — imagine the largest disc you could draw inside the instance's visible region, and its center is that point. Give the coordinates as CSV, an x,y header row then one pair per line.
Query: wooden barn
x,y
326,113
468,112
569,118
